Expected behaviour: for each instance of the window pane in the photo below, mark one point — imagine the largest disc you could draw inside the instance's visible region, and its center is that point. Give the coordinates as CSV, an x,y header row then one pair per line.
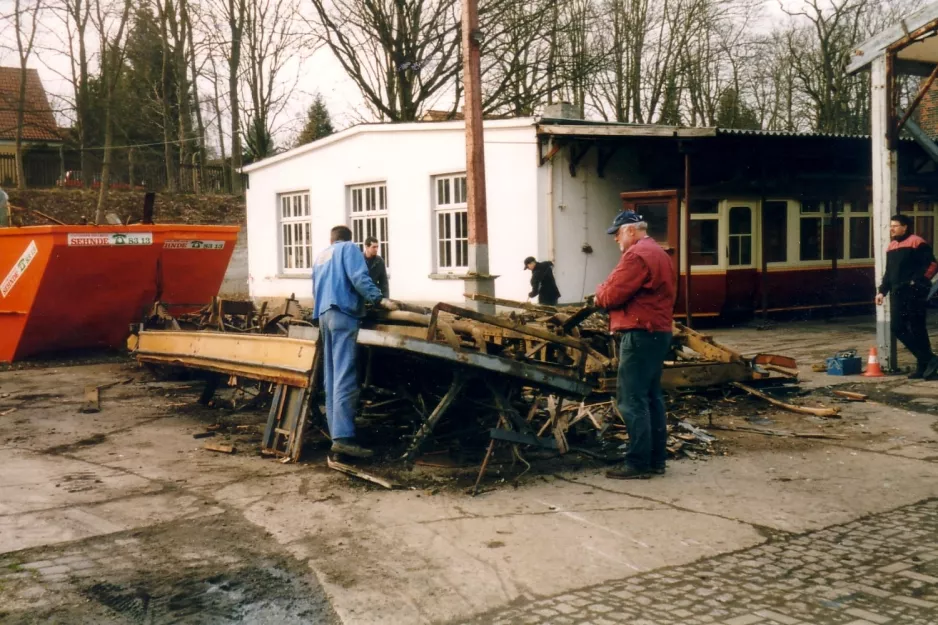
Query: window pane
x,y
833,238
925,228
704,207
860,237
704,235
382,197
656,215
810,244
306,205
745,250
464,223
775,225
859,207
734,250
740,220
446,191
439,191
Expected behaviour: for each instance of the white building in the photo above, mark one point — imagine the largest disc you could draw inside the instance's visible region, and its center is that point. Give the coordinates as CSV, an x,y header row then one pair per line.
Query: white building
x,y
405,184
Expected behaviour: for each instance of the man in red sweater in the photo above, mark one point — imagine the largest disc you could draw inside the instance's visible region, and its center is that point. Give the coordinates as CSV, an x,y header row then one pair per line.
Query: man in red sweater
x,y
639,296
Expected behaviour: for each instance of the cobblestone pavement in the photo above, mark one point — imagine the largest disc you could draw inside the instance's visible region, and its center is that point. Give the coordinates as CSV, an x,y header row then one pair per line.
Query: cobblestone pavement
x,y
877,570
211,571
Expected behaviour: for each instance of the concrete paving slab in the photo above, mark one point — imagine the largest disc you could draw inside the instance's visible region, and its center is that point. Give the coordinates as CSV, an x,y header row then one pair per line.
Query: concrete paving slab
x,y
791,492
33,482
49,527
447,556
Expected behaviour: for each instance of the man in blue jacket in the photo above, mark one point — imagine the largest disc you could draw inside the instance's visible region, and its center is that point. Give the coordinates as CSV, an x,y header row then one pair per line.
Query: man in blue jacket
x,y
341,287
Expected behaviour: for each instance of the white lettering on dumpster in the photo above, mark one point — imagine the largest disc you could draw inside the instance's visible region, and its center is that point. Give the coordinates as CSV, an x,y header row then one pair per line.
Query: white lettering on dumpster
x,y
95,239
19,268
178,244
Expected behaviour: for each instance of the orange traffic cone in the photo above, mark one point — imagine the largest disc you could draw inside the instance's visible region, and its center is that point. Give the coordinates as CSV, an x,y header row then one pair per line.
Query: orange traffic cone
x,y
873,369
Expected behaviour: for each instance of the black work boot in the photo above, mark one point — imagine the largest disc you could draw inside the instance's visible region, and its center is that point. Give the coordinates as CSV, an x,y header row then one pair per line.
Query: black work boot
x,y
931,368
349,447
658,469
626,471
919,372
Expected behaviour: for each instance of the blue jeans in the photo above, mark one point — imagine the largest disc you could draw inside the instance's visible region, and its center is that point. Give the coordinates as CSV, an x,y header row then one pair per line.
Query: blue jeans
x,y
338,334
641,359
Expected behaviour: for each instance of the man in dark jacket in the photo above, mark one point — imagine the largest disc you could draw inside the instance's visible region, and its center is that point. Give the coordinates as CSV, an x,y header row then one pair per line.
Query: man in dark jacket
x,y
910,266
376,267
639,296
543,284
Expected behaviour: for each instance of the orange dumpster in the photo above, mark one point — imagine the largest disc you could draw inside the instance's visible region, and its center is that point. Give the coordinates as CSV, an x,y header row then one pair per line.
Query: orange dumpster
x,y
69,287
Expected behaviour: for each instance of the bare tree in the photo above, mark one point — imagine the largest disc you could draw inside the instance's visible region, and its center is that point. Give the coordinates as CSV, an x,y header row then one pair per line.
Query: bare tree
x,y
25,21
400,53
271,38
112,38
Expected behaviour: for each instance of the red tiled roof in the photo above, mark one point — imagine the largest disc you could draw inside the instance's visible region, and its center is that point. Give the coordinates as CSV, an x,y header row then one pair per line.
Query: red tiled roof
x,y
38,121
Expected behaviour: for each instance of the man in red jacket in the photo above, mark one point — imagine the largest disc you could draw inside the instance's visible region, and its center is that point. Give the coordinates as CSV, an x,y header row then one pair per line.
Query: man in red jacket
x,y
639,296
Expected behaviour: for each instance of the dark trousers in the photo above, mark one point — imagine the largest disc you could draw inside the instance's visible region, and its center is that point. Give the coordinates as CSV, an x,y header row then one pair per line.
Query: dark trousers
x,y
641,359
908,313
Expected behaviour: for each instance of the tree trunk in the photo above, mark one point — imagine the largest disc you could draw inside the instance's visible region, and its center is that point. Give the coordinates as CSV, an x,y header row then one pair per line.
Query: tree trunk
x,y
236,24
164,100
20,115
106,166
196,104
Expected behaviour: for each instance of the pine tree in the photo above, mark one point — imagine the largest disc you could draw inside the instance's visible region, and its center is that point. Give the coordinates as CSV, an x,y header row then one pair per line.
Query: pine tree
x,y
318,124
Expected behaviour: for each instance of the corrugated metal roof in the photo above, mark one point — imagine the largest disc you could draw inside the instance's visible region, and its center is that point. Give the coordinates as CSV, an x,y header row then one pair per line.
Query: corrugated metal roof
x,y
788,133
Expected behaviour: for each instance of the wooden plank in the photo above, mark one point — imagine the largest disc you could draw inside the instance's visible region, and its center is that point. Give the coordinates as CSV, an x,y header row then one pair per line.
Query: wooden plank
x,y
349,470
850,395
817,412
220,448
622,130
91,402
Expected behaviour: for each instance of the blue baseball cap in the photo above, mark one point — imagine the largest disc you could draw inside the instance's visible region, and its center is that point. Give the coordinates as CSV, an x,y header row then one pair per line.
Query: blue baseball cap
x,y
623,219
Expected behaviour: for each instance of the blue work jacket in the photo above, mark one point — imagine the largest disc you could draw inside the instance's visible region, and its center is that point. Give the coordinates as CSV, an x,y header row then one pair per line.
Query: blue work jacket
x,y
341,280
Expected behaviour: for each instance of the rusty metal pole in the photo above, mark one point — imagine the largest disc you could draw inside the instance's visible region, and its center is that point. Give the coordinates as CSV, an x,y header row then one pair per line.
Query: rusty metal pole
x,y
687,298
478,280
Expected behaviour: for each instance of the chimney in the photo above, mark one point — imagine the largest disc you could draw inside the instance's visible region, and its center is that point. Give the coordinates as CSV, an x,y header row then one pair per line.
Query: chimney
x,y
561,110
928,110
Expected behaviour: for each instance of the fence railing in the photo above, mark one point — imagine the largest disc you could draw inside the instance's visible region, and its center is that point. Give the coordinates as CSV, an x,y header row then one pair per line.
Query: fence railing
x,y
48,169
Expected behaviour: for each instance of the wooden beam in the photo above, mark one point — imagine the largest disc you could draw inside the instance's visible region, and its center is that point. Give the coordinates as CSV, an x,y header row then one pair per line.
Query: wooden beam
x,y
621,130
875,46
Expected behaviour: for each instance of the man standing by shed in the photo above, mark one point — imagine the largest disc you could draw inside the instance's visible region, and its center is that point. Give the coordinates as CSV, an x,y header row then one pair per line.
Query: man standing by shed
x,y
341,286
639,296
543,285
377,269
910,266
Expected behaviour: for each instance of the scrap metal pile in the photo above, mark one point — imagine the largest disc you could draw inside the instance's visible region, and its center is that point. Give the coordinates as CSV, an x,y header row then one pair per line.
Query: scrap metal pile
x,y
534,379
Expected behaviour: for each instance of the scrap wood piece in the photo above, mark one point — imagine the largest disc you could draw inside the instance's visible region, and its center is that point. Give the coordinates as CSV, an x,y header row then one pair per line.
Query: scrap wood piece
x,y
817,412
203,434
335,465
6,412
850,395
779,433
786,371
701,435
91,400
220,448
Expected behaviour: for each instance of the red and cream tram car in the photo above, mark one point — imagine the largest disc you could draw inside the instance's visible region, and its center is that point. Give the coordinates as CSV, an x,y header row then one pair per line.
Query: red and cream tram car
x,y
748,255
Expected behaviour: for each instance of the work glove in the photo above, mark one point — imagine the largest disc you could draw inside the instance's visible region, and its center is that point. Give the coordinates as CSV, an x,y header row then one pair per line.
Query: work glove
x,y
389,304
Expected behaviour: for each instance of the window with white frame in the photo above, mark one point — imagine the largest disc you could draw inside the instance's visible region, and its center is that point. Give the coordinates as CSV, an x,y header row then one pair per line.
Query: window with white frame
x,y
821,234
740,236
704,234
368,216
859,231
451,218
923,219
296,254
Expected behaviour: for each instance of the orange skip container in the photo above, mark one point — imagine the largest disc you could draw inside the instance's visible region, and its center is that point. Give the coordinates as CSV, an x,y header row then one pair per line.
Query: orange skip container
x,y
70,287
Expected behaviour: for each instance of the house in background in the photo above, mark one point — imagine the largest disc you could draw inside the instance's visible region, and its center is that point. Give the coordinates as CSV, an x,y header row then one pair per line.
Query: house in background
x,y
39,125
777,220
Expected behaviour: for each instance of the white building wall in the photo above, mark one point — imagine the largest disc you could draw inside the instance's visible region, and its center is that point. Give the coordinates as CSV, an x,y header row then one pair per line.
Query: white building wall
x,y
583,208
406,159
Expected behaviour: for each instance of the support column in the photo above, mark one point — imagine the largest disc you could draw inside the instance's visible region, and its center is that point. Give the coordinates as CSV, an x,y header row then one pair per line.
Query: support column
x,y
687,263
885,197
478,280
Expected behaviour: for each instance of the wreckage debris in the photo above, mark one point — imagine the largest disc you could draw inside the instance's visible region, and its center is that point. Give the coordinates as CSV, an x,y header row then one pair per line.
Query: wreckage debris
x,y
535,380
